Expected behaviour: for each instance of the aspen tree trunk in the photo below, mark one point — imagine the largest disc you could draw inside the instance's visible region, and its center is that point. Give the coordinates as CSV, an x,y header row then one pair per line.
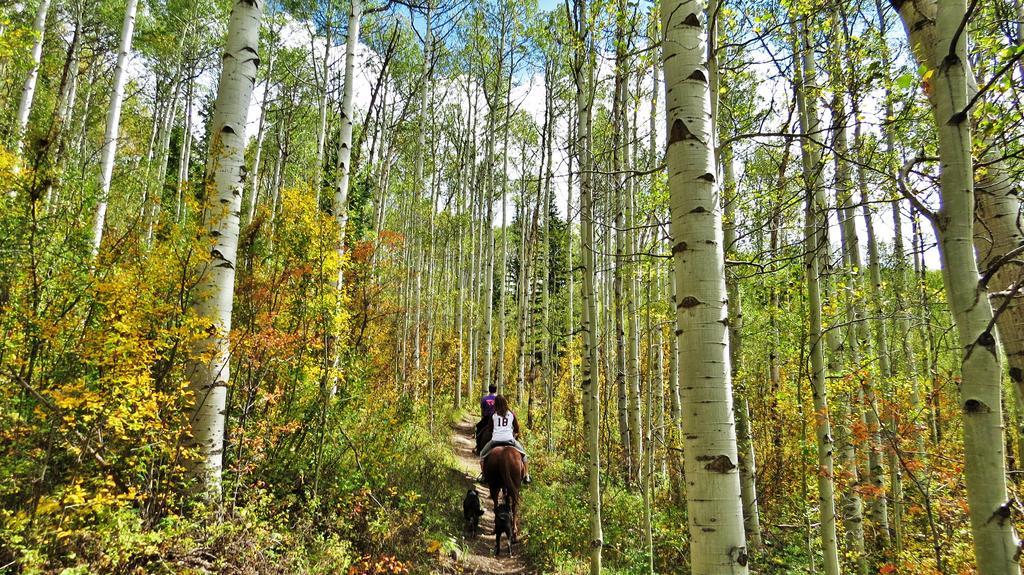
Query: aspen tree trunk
x,y
857,337
935,33
475,199
904,284
418,180
186,150
431,294
210,359
321,134
340,203
661,437
647,482
628,458
678,485
275,183
154,198
878,508
884,361
487,306
670,439
460,265
113,125
852,505
774,371
480,195
903,278
28,90
815,237
527,231
583,73
261,133
714,503
83,122
570,320
999,208
548,345
626,377
748,488
460,269
383,177
529,294
58,133
159,111
886,371
636,448
604,189
503,269
926,334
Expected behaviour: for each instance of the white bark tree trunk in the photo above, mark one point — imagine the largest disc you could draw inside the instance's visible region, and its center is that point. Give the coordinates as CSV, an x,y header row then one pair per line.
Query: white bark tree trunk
x,y
260,135
714,504
583,72
340,205
113,125
851,502
999,210
321,134
503,267
857,343
932,28
28,90
185,157
816,239
154,197
210,359
745,443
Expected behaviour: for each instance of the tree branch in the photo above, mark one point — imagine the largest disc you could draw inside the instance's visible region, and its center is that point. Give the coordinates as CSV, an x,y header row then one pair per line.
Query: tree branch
x,y
901,181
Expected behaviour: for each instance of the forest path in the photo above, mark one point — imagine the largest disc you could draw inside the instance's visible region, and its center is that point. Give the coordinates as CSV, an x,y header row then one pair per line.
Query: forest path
x,y
479,557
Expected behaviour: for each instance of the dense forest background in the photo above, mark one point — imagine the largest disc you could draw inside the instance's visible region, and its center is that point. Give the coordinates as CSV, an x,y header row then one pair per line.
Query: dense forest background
x,y
748,271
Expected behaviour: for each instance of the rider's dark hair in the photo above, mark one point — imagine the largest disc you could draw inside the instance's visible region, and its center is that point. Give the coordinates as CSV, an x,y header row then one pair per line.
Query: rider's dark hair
x,y
492,388
501,405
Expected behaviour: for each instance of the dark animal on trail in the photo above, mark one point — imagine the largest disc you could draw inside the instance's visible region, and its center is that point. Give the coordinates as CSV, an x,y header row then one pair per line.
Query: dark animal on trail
x,y
503,474
503,523
472,511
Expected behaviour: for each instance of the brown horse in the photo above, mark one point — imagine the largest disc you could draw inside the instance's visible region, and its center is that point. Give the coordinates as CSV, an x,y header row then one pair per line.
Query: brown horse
x,y
503,471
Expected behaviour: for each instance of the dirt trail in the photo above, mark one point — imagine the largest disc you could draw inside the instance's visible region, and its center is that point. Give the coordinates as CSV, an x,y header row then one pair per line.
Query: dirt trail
x,y
479,557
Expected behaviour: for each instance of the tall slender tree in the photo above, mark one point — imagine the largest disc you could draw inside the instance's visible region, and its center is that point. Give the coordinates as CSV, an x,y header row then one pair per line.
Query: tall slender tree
x,y
583,74
714,504
113,125
937,34
210,359
28,89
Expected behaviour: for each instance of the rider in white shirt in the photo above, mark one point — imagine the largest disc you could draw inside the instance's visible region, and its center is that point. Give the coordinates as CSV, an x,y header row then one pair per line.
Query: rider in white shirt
x,y
504,429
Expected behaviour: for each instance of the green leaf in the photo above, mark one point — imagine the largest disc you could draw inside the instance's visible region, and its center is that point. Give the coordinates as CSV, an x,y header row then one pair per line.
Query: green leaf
x,y
905,81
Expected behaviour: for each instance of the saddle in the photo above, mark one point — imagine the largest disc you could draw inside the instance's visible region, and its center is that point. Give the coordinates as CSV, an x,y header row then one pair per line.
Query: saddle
x,y
499,444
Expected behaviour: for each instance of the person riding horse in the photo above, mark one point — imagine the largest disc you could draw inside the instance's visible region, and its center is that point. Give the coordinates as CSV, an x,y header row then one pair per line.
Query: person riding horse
x,y
486,411
504,431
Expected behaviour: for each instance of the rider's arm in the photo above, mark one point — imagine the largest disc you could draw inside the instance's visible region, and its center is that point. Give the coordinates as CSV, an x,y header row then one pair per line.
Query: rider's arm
x,y
515,427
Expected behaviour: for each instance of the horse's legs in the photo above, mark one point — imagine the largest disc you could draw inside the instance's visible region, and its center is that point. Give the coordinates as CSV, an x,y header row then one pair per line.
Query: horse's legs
x,y
514,536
